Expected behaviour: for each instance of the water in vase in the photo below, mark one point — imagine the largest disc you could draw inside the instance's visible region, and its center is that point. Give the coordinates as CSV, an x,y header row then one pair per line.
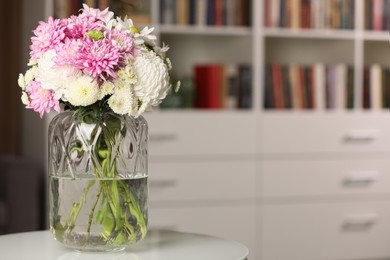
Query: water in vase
x,y
98,214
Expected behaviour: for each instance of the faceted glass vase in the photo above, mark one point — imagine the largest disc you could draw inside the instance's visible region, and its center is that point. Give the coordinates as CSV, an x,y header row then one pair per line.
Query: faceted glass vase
x,y
98,180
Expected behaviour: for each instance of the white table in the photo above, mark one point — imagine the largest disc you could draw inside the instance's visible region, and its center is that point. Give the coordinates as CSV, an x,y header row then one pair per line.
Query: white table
x,y
158,245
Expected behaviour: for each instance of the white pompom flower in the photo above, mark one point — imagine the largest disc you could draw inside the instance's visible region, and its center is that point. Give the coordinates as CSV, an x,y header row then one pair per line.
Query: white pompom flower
x,y
25,99
107,88
152,80
82,91
25,79
30,74
122,101
21,82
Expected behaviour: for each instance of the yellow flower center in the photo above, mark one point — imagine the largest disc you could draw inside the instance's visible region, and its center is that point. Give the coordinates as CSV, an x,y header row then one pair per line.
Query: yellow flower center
x,y
135,29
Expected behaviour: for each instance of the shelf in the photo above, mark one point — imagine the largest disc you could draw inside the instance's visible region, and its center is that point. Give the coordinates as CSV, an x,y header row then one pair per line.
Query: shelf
x,y
376,36
325,113
207,112
205,30
309,33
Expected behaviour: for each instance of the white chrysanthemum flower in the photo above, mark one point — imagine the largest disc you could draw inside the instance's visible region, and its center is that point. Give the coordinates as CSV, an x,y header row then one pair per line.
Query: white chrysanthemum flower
x,y
106,89
122,101
176,87
30,75
25,99
31,62
82,91
127,75
25,79
146,36
124,24
169,63
152,80
162,51
21,82
50,75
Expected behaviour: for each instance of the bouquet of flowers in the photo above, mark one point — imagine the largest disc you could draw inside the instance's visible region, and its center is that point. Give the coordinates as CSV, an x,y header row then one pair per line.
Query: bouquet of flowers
x,y
106,72
95,60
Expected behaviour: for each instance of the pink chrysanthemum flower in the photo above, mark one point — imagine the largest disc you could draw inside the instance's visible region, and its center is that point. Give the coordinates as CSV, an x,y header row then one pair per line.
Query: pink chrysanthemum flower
x,y
67,53
47,36
41,100
77,26
99,59
124,42
104,15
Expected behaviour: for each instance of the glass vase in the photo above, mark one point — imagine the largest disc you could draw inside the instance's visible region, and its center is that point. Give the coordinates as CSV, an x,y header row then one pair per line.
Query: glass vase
x,y
98,180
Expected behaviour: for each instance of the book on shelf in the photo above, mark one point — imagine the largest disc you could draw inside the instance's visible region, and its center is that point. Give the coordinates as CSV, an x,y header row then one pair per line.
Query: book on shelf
x,y
309,14
222,86
377,15
208,80
330,75
376,87
319,85
244,86
168,11
182,7
277,86
205,12
314,86
366,98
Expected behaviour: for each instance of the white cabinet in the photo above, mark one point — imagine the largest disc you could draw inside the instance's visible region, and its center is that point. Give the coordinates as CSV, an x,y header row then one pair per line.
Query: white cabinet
x,y
324,185
202,181
303,179
291,133
326,229
215,197
184,133
202,174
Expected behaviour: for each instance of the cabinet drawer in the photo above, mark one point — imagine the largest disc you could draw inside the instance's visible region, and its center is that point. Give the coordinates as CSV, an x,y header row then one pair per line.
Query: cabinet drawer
x,y
326,231
236,222
216,180
307,133
300,178
201,133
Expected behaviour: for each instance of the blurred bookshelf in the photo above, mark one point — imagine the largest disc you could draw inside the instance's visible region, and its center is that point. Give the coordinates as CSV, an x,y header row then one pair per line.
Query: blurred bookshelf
x,y
260,33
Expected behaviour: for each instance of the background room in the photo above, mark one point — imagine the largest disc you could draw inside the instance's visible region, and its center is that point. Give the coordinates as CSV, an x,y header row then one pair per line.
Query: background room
x,y
278,137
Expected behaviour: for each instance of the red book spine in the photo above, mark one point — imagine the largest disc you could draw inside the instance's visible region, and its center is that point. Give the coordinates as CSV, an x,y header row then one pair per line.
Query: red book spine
x,y
277,85
305,15
266,12
201,86
208,85
218,9
377,15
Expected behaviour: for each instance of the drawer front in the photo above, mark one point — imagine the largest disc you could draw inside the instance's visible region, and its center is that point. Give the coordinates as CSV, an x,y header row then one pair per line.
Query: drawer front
x,y
230,222
207,133
299,178
307,133
210,180
358,230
